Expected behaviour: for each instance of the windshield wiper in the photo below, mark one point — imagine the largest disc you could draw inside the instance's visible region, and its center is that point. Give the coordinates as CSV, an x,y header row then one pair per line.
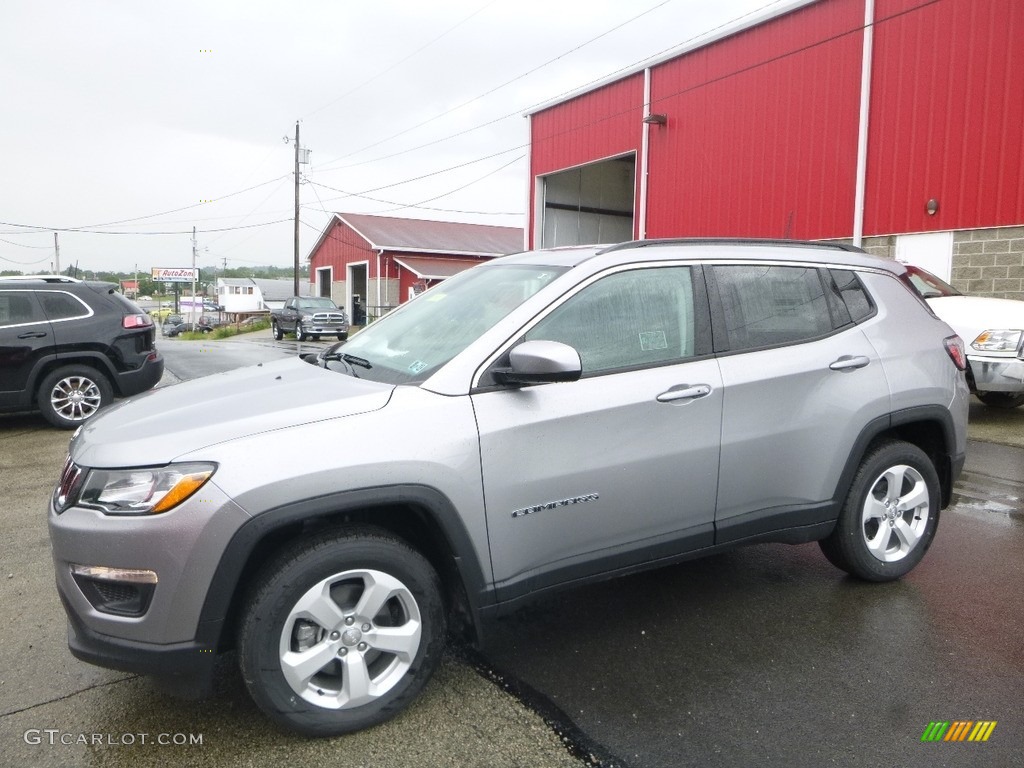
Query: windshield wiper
x,y
361,362
348,360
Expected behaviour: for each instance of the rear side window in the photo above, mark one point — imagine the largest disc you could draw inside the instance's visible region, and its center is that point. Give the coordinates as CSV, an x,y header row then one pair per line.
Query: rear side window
x,y
59,305
766,305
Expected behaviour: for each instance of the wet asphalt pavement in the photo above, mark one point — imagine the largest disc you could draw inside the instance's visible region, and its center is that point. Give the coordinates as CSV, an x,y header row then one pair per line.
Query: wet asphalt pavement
x,y
771,656
763,656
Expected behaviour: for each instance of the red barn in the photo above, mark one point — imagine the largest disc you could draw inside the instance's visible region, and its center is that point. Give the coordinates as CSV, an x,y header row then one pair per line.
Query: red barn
x,y
895,124
371,264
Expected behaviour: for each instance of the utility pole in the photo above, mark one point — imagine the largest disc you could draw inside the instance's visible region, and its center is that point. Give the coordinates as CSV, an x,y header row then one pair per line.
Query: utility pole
x,y
296,281
56,254
192,314
301,156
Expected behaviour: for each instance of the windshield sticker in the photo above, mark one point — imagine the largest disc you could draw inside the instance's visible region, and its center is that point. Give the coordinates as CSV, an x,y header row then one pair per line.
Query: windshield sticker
x,y
418,366
650,340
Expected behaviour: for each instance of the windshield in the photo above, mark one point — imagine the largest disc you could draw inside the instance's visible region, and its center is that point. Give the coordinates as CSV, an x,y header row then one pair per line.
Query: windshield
x,y
928,285
408,345
317,302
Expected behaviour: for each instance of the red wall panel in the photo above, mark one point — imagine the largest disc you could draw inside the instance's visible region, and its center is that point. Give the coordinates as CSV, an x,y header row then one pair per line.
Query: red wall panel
x,y
596,125
761,139
947,116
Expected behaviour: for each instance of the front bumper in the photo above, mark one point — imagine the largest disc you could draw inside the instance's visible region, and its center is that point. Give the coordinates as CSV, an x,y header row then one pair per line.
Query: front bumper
x,y
324,329
997,374
183,547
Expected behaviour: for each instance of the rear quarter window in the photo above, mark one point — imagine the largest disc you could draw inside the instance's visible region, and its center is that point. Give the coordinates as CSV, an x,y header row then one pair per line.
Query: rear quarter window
x,y
59,305
851,300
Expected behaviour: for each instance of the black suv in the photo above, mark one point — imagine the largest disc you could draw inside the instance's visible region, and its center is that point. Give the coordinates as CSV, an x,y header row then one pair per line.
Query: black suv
x,y
68,347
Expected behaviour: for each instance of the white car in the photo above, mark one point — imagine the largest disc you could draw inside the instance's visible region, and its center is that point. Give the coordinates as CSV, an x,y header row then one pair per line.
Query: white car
x,y
993,332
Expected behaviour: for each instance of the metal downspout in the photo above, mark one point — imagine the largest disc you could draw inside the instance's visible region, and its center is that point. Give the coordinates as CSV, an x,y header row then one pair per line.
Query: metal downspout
x,y
644,147
862,131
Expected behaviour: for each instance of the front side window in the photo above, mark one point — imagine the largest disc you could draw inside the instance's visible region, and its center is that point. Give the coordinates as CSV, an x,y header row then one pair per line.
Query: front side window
x,y
766,305
19,308
634,319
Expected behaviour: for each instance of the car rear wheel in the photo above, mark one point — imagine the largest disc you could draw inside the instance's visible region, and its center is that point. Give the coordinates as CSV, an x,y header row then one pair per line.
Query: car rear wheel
x,y
1001,399
890,515
71,395
342,632
342,336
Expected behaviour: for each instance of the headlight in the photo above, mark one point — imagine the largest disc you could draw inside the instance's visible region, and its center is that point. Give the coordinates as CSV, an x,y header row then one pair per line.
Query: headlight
x,y
143,491
997,341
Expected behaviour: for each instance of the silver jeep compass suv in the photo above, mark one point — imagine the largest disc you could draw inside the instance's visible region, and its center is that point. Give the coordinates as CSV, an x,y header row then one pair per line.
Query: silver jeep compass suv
x,y
542,420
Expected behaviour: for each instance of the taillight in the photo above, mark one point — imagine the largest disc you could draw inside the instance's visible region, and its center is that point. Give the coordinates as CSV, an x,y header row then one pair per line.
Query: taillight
x,y
955,349
137,321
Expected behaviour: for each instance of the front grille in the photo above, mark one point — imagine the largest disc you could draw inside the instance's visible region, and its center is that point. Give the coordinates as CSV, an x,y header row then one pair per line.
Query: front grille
x,y
328,318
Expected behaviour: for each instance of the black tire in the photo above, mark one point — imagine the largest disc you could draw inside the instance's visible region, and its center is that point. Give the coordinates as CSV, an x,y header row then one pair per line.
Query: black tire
x,y
70,396
276,330
300,335
1005,400
342,336
888,544
332,574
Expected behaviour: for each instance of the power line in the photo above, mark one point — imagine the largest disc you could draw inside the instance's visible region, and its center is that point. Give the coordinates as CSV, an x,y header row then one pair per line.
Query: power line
x,y
400,206
35,228
521,110
402,61
489,92
22,245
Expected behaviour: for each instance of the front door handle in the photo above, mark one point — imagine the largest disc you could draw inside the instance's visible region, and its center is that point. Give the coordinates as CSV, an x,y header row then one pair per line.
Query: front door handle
x,y
684,392
33,335
849,363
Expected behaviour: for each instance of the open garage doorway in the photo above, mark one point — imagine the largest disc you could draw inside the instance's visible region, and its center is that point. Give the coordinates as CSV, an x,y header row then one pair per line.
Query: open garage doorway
x,y
589,204
356,290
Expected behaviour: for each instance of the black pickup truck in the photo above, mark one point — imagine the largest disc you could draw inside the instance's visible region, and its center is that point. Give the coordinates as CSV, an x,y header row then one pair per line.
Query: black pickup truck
x,y
309,317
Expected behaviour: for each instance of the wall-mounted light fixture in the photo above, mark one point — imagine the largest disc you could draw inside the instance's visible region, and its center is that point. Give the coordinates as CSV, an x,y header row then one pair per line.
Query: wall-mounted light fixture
x,y
932,207
656,118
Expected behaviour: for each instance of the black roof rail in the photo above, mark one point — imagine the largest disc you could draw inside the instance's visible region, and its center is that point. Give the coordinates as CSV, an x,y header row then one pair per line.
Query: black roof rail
x,y
734,241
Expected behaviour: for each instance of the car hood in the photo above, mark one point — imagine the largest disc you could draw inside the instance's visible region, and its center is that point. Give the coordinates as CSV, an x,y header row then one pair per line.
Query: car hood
x,y
163,424
970,315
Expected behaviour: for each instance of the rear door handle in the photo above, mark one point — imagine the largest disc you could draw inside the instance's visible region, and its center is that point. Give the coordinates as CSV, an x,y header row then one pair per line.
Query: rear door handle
x,y
684,392
33,335
849,363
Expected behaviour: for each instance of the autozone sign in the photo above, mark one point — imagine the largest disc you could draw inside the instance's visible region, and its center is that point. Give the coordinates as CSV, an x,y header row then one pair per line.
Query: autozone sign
x,y
176,274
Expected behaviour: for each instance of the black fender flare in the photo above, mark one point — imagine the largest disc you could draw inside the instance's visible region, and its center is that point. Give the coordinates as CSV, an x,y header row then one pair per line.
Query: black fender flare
x,y
438,507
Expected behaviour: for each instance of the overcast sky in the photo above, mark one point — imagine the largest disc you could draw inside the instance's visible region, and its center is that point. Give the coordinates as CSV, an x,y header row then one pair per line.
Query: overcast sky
x,y
124,117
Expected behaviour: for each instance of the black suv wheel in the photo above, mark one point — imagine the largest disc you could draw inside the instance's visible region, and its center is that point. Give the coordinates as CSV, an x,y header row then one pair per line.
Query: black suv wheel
x,y
70,395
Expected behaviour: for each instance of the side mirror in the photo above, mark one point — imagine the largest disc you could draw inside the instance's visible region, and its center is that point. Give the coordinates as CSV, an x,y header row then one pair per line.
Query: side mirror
x,y
540,362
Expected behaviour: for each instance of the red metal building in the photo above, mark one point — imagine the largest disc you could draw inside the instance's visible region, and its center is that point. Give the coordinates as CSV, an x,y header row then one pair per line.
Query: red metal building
x,y
869,120
371,264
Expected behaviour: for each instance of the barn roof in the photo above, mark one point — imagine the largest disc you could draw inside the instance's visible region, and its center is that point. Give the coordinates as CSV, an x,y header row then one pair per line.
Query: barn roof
x,y
390,233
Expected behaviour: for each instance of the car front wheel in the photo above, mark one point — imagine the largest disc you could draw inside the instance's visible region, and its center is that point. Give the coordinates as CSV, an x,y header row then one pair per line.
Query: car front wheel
x,y
71,395
299,333
276,330
342,632
890,515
